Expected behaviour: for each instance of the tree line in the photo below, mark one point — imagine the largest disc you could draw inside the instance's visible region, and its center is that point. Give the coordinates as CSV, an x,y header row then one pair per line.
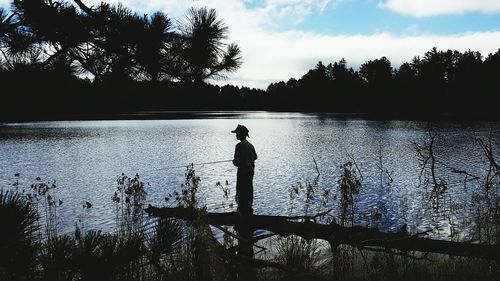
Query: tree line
x,y
61,59
439,82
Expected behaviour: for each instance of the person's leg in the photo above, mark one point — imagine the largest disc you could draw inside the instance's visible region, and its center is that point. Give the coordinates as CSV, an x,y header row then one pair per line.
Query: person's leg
x,y
244,192
244,229
250,192
239,191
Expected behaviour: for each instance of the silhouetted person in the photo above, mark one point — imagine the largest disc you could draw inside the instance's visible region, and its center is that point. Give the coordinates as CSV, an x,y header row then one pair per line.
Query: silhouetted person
x,y
244,159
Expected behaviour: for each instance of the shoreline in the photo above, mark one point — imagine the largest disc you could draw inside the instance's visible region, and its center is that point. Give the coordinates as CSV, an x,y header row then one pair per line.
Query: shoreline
x,y
217,114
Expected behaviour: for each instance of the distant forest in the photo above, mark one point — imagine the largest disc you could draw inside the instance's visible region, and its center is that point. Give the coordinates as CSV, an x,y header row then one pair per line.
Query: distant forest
x,y
69,60
439,83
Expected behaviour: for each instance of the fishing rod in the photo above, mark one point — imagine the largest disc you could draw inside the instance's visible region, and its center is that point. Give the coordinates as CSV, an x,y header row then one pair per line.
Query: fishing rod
x,y
184,166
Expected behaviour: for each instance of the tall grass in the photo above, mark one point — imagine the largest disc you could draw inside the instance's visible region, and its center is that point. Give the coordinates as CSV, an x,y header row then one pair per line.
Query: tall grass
x,y
31,249
18,237
299,255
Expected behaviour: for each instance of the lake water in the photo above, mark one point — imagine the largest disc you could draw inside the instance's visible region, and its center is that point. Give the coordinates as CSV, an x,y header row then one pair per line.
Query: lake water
x,y
86,157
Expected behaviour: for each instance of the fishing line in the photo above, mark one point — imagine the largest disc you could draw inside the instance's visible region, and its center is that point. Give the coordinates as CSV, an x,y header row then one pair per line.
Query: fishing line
x,y
185,166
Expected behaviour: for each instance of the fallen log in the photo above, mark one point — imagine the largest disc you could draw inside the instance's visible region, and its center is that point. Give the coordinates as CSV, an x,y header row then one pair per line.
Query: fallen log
x,y
211,256
357,236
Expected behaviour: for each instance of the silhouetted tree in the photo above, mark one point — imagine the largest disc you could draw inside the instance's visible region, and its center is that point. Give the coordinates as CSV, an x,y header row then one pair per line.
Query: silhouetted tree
x,y
55,28
433,77
348,87
315,87
377,73
465,79
203,53
112,42
153,52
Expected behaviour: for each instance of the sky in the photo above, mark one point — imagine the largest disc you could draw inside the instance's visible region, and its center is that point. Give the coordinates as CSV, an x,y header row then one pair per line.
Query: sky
x,y
281,39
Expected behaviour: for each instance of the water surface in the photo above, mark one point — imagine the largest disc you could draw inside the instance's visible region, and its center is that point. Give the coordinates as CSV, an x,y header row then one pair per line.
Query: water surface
x,y
86,157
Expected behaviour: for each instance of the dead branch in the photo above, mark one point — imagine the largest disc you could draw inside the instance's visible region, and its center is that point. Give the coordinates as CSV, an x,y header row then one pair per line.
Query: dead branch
x,y
351,157
356,236
396,253
316,166
84,8
239,237
494,168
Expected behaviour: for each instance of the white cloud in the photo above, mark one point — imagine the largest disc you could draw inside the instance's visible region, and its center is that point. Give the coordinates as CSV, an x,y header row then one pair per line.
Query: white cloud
x,y
294,9
272,57
269,11
4,3
425,8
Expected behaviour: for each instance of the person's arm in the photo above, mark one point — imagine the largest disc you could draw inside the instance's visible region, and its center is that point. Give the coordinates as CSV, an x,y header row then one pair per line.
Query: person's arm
x,y
237,156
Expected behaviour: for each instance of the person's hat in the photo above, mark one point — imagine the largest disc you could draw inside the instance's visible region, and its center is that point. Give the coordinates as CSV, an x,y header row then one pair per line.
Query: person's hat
x,y
240,129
